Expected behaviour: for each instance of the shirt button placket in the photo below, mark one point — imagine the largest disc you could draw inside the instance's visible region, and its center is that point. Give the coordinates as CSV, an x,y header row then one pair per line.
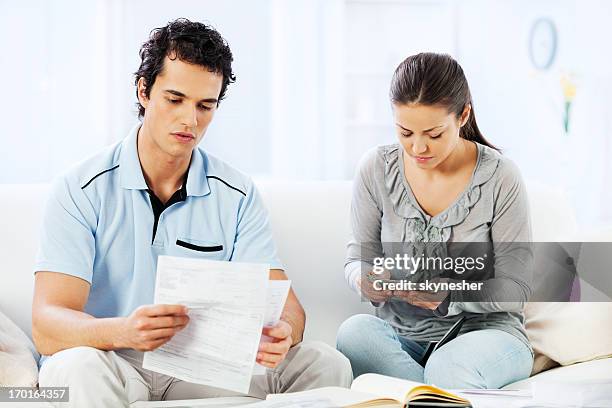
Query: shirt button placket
x,y
158,241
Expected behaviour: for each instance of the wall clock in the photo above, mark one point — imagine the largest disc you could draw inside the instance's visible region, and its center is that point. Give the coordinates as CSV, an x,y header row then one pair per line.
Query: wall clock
x,y
543,43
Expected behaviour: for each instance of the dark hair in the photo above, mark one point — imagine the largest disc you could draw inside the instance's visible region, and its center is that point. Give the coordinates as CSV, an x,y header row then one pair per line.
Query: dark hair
x,y
190,42
436,79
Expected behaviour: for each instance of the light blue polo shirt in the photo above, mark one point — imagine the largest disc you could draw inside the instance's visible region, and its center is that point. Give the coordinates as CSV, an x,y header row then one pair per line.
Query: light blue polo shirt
x,y
99,225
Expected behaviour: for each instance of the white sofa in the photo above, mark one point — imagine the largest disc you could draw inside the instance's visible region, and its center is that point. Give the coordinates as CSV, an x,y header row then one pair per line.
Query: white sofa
x,y
310,223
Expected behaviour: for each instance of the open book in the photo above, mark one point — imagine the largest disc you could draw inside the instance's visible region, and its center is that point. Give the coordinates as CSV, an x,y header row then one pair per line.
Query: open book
x,y
375,390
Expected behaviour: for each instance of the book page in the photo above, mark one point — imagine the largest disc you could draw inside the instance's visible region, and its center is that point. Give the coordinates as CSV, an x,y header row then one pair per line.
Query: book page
x,y
383,386
226,302
401,390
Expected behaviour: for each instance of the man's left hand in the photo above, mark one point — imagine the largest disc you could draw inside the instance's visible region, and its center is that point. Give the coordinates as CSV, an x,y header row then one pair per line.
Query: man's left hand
x,y
273,351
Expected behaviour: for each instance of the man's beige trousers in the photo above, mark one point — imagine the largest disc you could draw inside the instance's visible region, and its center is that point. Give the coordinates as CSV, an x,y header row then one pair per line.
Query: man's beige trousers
x,y
116,378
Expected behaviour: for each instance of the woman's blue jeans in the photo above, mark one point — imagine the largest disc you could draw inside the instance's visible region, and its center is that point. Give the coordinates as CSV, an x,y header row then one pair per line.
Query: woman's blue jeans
x,y
485,358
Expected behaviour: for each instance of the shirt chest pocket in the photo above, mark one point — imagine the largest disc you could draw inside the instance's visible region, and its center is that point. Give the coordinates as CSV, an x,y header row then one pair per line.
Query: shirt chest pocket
x,y
196,248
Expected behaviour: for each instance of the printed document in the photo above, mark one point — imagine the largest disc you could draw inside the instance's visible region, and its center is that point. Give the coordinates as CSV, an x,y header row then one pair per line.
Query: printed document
x,y
227,304
276,298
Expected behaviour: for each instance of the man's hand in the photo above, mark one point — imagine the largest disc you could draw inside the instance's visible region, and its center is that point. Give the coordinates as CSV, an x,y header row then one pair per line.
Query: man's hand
x,y
273,351
150,326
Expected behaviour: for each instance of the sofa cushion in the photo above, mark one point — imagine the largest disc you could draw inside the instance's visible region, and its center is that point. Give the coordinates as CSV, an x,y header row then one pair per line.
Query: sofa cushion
x,y
596,371
18,367
562,330
570,332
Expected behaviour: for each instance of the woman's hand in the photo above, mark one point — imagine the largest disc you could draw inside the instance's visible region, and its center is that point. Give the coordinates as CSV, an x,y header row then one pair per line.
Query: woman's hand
x,y
368,291
421,298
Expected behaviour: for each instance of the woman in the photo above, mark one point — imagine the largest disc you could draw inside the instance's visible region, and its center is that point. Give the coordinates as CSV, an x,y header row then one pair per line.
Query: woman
x,y
443,182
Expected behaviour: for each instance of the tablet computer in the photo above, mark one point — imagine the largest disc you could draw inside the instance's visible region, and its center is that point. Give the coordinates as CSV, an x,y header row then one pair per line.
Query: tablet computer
x,y
448,336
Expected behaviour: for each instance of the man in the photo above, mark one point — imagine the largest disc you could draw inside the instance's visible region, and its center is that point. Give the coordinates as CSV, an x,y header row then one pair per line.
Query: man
x,y
156,193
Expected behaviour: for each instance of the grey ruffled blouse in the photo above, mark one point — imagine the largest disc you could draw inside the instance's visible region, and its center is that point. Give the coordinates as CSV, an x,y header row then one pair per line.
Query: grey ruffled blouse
x,y
492,209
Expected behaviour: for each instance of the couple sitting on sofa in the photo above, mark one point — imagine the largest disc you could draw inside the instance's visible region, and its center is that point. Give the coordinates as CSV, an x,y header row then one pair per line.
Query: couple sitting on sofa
x,y
156,193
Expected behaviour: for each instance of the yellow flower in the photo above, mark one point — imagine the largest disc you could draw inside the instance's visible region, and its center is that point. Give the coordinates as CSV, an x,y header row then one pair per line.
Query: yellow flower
x,y
568,87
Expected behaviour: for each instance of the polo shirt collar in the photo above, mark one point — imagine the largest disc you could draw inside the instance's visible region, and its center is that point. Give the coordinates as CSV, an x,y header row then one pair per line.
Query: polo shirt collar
x,y
197,182
132,177
130,171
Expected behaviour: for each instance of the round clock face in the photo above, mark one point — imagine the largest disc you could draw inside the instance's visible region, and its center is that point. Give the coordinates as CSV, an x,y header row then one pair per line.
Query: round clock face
x,y
543,43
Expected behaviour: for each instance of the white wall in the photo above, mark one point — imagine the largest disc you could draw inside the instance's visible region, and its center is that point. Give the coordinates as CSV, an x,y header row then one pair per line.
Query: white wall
x,y
50,105
378,36
241,129
67,68
519,107
313,78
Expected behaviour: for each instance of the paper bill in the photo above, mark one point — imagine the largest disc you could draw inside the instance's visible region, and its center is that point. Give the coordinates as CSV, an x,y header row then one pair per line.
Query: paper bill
x,y
275,303
227,303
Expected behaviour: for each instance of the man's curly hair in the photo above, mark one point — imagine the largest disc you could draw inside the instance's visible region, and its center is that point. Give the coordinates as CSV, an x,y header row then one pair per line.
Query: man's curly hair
x,y
190,42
